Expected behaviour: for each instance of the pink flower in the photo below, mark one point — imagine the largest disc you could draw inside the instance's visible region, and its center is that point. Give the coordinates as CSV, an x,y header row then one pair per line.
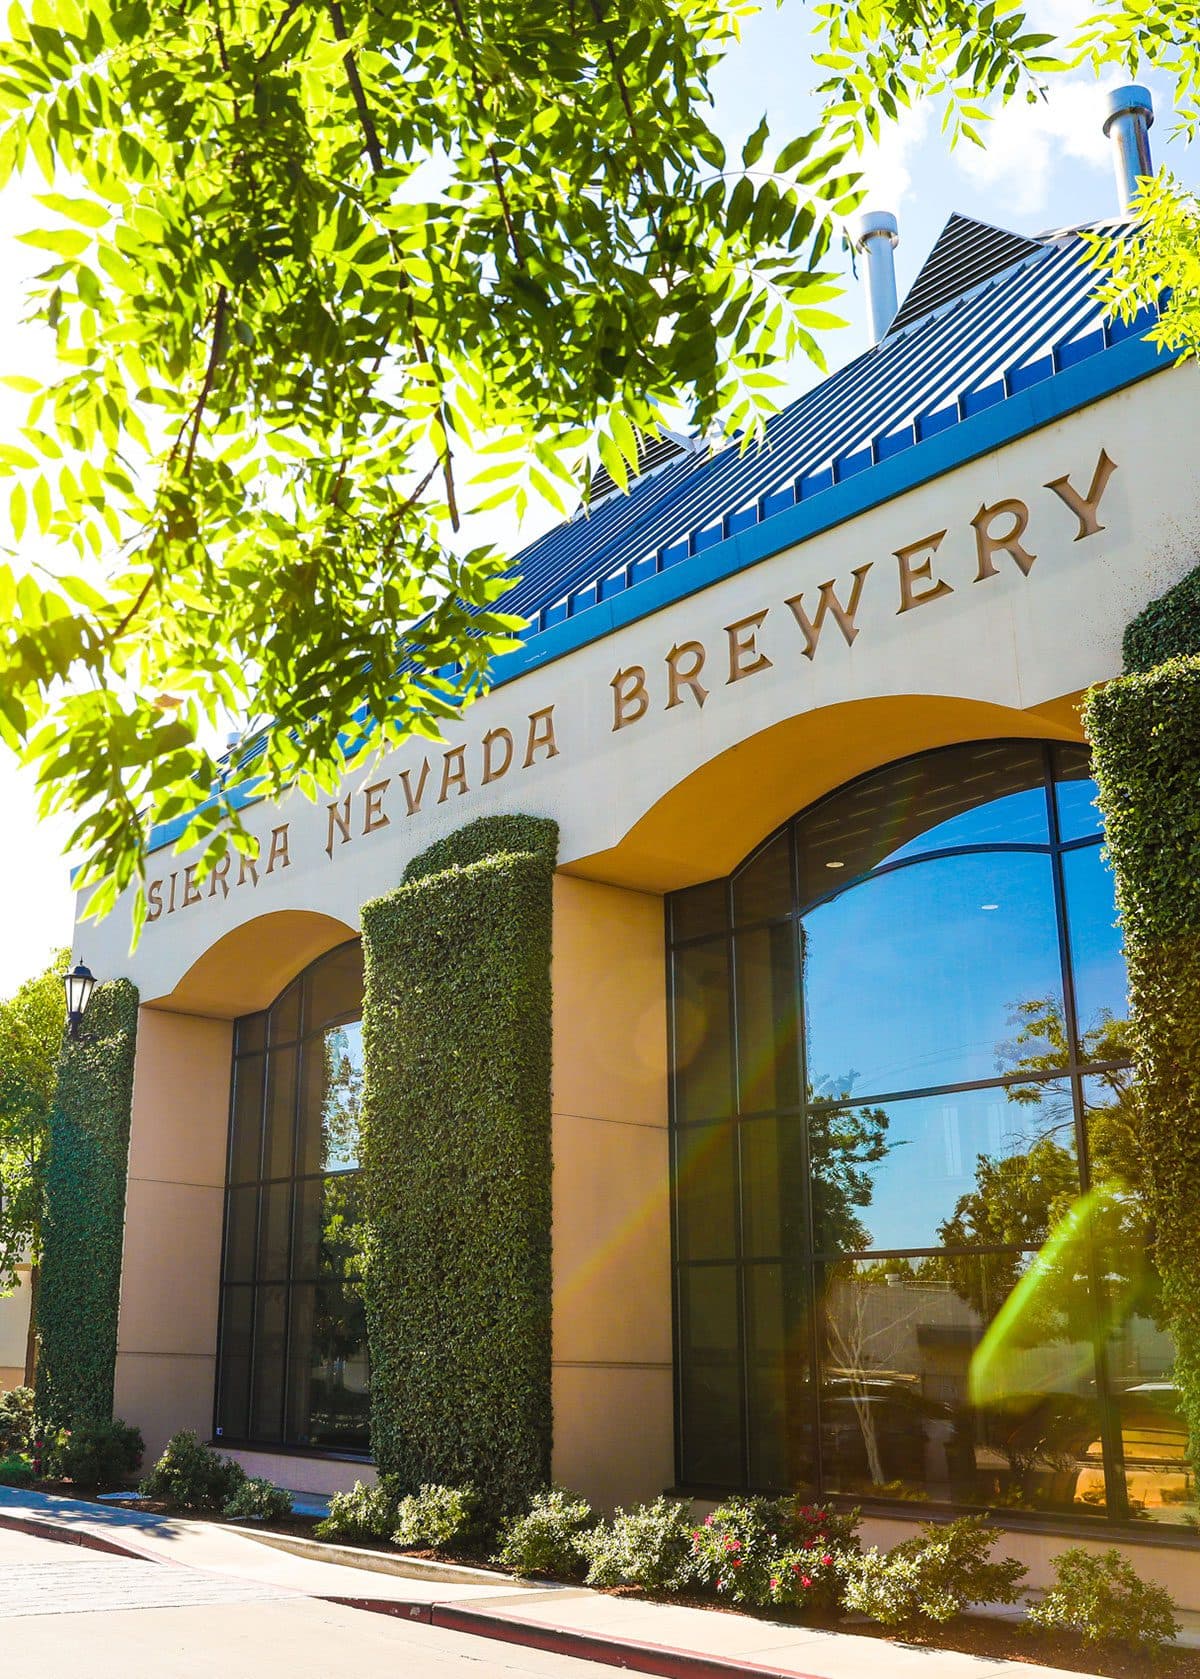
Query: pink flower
x,y
826,1559
736,1563
775,1584
708,1520
805,1580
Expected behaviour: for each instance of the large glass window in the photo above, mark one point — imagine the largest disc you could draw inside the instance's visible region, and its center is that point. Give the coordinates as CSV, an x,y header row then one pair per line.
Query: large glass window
x,y
911,1258
292,1368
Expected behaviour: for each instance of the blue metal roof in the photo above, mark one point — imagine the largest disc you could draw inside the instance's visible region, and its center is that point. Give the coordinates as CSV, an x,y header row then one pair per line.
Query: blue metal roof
x,y
1021,326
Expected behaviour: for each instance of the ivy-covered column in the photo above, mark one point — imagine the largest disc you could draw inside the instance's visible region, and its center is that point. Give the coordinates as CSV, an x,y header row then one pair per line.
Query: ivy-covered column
x,y
1145,733
456,1161
84,1228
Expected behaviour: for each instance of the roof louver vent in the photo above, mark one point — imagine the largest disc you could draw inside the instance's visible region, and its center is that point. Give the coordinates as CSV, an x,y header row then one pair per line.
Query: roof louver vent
x,y
967,252
654,451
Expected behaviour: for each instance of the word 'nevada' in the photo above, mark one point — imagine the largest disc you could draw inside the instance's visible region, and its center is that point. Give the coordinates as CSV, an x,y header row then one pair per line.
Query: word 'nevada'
x,y
999,529
498,752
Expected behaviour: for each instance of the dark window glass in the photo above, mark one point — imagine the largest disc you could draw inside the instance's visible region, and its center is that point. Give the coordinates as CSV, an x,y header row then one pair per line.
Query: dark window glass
x,y
968,1168
915,979
250,1033
970,795
780,1396
772,1181
244,1154
705,1188
1097,960
762,888
710,1379
334,987
280,1113
899,1340
284,1016
702,1050
241,1234
699,911
293,1361
266,1407
233,1388
767,1018
1075,791
273,1232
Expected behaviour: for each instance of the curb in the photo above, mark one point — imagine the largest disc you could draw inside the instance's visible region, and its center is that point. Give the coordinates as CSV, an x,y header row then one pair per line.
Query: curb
x,y
628,1653
70,1536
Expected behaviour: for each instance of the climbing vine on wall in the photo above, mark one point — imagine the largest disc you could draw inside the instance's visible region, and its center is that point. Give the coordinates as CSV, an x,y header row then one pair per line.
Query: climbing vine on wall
x,y
455,1152
1145,733
85,1212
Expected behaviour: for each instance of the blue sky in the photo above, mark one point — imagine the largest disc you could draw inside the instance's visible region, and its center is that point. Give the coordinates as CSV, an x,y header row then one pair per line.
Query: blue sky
x,y
1045,167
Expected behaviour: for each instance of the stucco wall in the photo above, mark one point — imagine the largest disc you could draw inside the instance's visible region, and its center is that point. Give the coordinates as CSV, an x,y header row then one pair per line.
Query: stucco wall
x,y
167,1327
613,1427
14,1330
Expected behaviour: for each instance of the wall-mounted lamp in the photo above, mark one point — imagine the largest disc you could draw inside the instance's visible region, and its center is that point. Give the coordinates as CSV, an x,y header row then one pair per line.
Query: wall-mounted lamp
x,y
79,985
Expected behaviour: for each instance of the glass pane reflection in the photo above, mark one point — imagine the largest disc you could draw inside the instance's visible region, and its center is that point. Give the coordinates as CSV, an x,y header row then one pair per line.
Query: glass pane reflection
x,y
702,1049
971,1168
896,1415
1097,959
968,940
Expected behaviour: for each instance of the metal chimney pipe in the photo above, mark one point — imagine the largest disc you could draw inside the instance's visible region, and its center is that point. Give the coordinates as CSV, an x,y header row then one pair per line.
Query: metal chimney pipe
x,y
877,234
1130,114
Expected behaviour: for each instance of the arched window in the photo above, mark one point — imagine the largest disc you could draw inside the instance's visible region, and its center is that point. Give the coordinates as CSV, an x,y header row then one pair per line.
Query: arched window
x,y
292,1365
899,1036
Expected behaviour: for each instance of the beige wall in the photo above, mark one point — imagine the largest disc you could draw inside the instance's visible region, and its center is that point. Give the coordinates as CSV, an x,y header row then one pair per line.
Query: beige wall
x,y
613,1427
14,1328
167,1327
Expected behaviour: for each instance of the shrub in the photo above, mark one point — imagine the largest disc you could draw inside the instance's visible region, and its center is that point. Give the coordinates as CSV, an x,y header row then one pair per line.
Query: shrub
x,y
1099,1596
362,1513
441,1519
261,1501
933,1576
649,1546
16,1420
745,1550
192,1476
93,1453
15,1471
737,1546
549,1537
809,1575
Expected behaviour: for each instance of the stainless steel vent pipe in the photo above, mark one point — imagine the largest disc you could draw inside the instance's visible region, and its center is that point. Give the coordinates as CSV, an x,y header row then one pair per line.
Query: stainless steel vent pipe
x,y
876,235
1130,114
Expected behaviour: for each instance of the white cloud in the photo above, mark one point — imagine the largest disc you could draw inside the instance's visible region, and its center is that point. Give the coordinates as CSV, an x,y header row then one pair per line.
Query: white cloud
x,y
885,166
1025,145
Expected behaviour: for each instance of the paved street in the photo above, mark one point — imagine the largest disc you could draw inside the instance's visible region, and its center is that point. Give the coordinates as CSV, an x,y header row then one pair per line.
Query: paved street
x,y
65,1611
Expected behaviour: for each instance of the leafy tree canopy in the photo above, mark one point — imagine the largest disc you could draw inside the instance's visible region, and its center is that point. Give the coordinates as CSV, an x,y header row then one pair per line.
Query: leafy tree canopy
x,y
31,1029
302,255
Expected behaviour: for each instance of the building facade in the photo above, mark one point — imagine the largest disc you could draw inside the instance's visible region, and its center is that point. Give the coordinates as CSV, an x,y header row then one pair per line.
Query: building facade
x,y
839,1007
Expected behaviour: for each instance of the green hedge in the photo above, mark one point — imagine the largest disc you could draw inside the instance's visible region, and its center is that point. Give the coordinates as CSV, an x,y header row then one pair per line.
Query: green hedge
x,y
1145,734
1169,628
455,1153
85,1212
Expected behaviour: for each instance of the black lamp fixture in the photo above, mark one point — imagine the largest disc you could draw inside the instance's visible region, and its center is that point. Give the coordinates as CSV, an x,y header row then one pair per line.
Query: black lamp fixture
x,y
79,985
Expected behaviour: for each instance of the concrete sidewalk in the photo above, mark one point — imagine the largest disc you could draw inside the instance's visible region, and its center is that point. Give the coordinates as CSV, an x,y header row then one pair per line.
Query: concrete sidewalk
x,y
664,1639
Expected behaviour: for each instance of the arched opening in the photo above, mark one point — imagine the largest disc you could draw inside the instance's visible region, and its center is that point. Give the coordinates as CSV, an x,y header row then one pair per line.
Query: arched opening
x,y
292,1367
250,965
899,1058
710,819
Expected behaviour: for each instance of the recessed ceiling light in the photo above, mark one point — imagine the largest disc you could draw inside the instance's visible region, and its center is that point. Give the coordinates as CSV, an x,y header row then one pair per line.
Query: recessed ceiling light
x,y
835,865
989,906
